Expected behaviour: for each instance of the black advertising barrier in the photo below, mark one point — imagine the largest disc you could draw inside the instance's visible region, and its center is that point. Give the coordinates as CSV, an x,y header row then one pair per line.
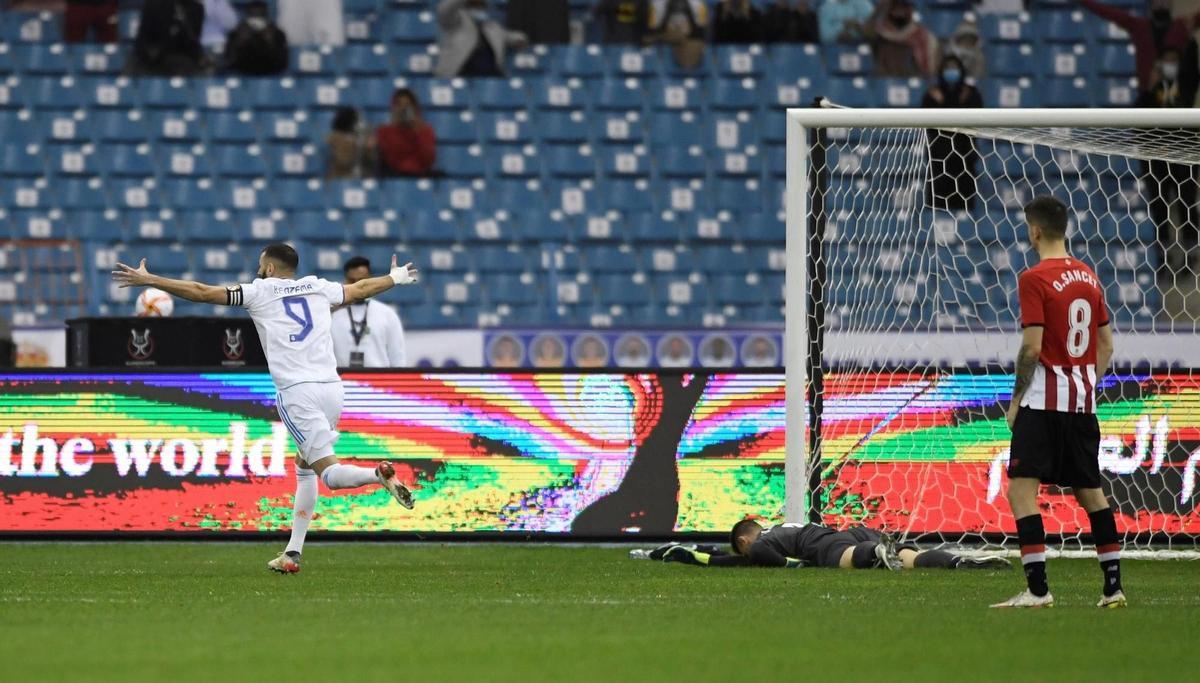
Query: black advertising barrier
x,y
163,342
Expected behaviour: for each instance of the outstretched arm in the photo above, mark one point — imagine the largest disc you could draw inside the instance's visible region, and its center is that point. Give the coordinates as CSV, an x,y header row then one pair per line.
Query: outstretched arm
x,y
126,276
369,287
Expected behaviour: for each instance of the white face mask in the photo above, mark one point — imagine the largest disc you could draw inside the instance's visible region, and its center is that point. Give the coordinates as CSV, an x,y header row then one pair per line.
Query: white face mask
x,y
1170,71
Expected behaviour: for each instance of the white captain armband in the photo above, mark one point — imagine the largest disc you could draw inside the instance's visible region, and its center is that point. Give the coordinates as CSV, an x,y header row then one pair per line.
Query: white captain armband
x,y
233,295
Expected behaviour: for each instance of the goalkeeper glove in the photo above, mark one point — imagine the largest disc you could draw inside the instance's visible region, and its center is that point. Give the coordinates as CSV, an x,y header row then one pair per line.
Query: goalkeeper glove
x,y
686,555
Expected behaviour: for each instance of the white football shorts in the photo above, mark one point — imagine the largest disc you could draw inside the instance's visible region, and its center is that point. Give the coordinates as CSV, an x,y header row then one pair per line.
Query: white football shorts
x,y
311,411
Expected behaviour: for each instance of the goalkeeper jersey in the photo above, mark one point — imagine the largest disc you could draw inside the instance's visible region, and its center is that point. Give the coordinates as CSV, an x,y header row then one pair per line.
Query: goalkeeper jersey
x,y
798,541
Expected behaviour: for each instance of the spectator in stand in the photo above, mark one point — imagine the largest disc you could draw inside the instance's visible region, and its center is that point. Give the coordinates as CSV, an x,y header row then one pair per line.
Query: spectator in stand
x,y
1151,34
256,46
407,146
902,46
97,16
737,22
312,22
347,155
472,43
219,19
625,21
786,24
966,44
543,22
953,160
845,21
680,24
168,40
1170,187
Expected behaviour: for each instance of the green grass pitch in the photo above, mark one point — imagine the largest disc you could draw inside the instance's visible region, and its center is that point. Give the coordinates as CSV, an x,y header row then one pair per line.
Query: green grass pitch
x,y
405,612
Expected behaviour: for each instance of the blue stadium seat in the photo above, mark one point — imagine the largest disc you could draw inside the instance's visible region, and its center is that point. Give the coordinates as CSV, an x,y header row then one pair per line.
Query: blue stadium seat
x,y
152,226
230,127
296,193
500,94
1070,92
453,127
530,62
681,162
507,194
286,94
125,160
624,162
233,160
29,27
183,161
317,226
188,194
739,61
562,126
579,61
99,226
513,162
1065,61
1116,60
1063,26
38,224
506,128
163,126
313,61
52,92
1010,59
1118,92
561,94
426,226
632,61
207,227
620,95
848,60
42,59
622,289
735,94
461,162
497,259
792,61
1010,92
1010,28
669,130
21,160
374,226
285,160
79,193
364,60
631,196
683,94
900,92
163,93
412,27
437,95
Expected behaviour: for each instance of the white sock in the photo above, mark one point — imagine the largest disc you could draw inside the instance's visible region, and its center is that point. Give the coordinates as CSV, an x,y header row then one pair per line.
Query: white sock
x,y
302,510
348,476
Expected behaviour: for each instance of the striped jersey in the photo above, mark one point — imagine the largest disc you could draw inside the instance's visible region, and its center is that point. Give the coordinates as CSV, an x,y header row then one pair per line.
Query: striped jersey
x,y
1063,296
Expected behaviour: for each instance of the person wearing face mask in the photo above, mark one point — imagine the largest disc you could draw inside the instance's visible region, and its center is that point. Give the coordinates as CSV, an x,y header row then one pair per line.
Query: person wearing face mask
x,y
953,160
256,46
1150,34
1171,189
407,145
471,42
966,44
844,21
902,47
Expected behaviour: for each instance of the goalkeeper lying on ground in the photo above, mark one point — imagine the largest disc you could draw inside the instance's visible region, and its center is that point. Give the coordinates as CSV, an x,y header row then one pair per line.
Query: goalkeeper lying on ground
x,y
812,545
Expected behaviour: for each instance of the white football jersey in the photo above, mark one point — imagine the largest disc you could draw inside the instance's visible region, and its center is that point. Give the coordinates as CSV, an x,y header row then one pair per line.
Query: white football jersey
x,y
293,321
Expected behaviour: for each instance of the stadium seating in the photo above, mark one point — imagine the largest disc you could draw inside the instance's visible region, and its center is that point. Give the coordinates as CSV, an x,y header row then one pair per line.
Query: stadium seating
x,y
609,166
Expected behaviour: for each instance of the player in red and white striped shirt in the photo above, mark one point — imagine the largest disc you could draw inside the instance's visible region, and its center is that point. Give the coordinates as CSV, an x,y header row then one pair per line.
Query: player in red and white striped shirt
x,y
1066,345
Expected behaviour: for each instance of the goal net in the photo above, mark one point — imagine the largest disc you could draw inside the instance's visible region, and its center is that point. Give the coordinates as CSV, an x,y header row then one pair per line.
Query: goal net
x,y
905,239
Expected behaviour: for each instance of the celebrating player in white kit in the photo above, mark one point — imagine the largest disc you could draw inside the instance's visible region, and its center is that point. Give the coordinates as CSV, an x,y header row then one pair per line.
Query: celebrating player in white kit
x,y
293,320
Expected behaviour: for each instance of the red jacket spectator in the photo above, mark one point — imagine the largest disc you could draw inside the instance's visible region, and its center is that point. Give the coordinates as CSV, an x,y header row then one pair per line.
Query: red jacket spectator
x,y
1149,34
407,145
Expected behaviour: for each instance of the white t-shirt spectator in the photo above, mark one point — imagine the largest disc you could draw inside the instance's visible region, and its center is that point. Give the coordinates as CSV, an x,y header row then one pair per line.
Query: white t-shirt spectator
x,y
312,22
372,329
219,19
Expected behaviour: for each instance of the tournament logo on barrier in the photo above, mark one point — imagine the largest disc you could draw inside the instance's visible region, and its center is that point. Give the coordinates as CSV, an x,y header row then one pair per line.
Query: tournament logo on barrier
x,y
140,346
233,347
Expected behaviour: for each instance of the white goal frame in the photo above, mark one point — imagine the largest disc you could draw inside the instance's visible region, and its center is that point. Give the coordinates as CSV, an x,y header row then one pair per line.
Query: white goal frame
x,y
800,123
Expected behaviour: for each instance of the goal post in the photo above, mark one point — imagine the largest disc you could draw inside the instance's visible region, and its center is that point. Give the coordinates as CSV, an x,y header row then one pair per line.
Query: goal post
x,y
901,314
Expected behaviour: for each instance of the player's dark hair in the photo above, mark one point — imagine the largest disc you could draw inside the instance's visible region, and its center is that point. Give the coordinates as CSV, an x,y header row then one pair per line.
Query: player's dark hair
x,y
740,529
356,262
284,255
1049,214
